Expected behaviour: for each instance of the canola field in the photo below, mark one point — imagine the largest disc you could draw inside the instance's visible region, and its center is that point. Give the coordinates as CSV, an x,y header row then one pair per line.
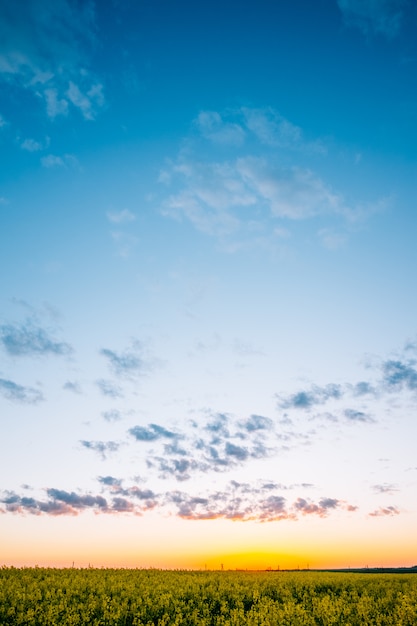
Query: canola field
x,y
113,597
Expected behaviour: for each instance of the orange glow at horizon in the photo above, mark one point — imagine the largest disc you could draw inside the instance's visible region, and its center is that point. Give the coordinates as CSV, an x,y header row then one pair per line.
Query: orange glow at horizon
x,y
172,543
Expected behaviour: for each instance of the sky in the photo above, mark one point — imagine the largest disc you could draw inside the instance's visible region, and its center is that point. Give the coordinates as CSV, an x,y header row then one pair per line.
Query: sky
x,y
208,331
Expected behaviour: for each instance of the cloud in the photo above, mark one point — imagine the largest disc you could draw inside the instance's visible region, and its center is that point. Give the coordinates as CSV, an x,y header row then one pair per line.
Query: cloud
x,y
30,145
216,196
398,375
65,161
109,389
311,398
130,362
72,386
45,50
385,511
382,17
218,443
120,217
211,126
245,503
18,393
125,243
30,340
87,102
103,448
260,502
113,415
256,176
357,416
151,433
110,481
257,422
270,128
147,498
322,508
61,502
385,488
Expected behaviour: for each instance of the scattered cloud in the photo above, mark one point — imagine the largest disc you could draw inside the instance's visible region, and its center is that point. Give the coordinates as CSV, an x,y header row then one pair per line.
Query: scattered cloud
x,y
211,126
88,101
218,443
125,243
72,386
151,433
45,50
260,502
66,160
30,145
19,393
322,508
28,339
257,422
399,374
250,503
386,488
270,128
385,511
357,416
112,415
390,376
109,389
383,17
121,216
129,363
311,398
103,448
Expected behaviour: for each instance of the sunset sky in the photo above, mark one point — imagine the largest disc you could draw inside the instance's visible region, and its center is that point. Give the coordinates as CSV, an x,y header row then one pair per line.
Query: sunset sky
x,y
208,329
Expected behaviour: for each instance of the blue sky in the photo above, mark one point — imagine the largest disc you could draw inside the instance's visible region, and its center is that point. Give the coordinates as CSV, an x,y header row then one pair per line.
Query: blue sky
x,y
208,312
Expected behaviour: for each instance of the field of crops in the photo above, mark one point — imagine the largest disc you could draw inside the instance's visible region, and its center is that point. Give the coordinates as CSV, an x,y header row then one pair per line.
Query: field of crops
x,y
105,597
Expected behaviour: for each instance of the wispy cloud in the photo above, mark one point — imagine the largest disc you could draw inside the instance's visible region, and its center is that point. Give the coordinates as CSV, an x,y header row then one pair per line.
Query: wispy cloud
x,y
387,511
211,126
73,386
357,416
131,362
112,415
28,339
385,488
66,161
45,50
119,217
103,448
19,393
30,145
240,178
382,17
109,389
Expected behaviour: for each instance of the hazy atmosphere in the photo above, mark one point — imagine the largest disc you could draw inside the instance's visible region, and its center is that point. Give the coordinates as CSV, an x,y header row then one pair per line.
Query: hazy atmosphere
x,y
208,331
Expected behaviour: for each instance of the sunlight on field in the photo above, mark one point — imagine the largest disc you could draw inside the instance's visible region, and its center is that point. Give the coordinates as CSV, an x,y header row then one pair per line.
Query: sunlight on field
x,y
141,597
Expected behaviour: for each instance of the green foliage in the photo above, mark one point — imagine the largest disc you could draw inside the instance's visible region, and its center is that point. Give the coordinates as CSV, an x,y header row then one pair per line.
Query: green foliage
x,y
123,597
